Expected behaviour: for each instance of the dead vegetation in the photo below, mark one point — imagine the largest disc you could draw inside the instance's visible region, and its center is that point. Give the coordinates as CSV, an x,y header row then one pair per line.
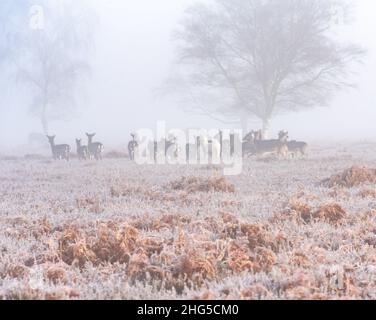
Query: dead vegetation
x,y
136,233
302,212
199,250
56,274
29,293
198,184
90,203
191,257
355,176
331,213
367,193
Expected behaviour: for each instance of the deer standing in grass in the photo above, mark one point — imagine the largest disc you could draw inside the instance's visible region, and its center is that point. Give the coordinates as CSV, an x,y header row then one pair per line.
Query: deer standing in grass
x,y
82,151
132,146
59,152
297,147
249,147
276,146
95,148
254,145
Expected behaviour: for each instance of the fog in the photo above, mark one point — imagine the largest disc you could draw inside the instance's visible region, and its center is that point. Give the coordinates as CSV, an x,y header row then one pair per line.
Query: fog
x,y
131,57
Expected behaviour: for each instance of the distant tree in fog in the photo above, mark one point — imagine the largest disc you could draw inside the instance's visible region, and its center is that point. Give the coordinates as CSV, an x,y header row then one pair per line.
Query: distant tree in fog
x,y
3,33
8,15
54,58
257,58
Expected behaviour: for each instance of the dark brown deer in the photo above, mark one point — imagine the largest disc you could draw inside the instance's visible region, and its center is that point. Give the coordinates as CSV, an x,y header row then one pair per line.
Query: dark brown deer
x,y
249,147
132,146
254,145
59,152
95,148
297,147
82,151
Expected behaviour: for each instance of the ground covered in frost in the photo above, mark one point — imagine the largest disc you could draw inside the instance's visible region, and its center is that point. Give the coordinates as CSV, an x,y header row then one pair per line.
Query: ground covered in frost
x,y
287,229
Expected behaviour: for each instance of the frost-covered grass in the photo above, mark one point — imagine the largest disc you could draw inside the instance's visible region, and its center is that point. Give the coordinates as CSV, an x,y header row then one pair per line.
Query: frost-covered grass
x,y
115,230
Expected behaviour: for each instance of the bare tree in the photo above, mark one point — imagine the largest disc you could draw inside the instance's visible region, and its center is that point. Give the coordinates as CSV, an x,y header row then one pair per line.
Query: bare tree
x,y
3,36
256,58
8,15
54,59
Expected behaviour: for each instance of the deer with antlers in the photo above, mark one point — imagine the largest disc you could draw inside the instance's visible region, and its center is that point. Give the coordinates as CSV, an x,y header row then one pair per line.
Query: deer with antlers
x,y
254,145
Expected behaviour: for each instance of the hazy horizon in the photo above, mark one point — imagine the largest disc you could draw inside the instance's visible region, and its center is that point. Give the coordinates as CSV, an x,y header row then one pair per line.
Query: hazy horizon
x,y
133,55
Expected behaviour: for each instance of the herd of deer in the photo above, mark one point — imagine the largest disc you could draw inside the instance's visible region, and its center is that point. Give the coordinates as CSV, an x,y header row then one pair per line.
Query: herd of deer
x,y
93,150
253,144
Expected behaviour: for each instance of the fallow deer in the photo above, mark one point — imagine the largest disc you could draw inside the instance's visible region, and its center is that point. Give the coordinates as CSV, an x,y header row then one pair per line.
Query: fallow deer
x,y
297,147
95,148
249,147
82,151
256,146
59,152
132,146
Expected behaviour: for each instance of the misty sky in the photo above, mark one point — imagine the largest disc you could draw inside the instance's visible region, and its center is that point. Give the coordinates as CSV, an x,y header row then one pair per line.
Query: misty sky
x,y
133,55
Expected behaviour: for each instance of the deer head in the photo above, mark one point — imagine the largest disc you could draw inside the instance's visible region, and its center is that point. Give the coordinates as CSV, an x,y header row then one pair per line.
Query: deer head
x,y
51,139
90,136
78,142
250,137
258,135
283,135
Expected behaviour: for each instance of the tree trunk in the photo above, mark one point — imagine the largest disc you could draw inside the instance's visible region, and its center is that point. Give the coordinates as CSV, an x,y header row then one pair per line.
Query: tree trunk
x,y
244,124
265,128
44,121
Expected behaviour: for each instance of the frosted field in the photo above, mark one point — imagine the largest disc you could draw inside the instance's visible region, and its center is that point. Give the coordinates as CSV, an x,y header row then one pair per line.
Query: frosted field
x,y
115,230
